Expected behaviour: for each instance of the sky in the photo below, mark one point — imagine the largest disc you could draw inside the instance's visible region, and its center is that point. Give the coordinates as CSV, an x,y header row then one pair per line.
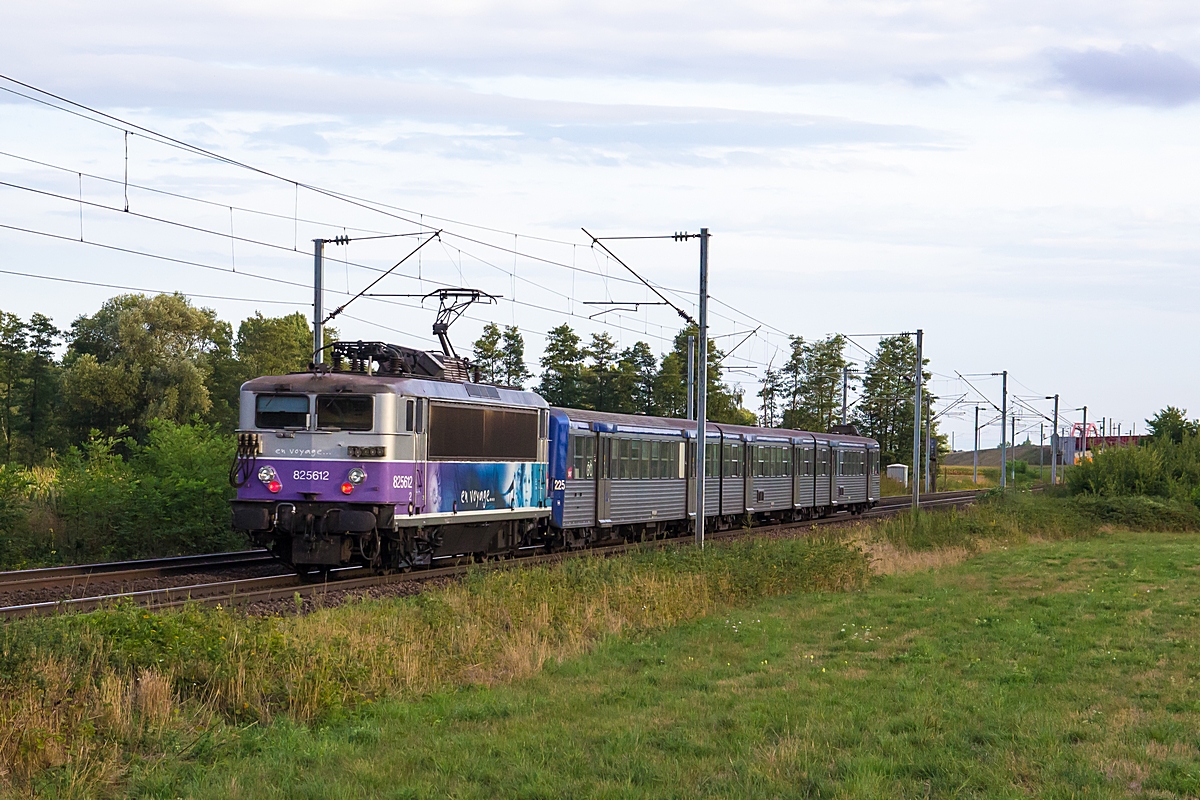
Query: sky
x,y
1016,179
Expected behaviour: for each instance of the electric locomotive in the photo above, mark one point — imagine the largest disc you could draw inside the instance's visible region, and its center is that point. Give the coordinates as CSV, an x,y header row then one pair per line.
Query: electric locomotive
x,y
386,457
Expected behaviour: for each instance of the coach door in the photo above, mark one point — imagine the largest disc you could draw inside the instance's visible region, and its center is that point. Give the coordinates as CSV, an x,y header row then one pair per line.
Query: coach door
x,y
748,475
823,478
689,469
604,452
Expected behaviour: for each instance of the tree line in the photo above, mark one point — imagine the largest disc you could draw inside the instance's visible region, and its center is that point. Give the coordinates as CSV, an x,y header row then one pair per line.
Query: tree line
x,y
138,359
144,358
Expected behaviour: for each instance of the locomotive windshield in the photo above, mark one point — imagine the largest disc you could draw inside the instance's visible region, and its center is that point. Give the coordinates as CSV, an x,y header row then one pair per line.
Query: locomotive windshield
x,y
342,412
281,411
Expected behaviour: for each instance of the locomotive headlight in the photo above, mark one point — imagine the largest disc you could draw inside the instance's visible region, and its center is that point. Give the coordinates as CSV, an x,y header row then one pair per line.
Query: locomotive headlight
x,y
357,476
268,477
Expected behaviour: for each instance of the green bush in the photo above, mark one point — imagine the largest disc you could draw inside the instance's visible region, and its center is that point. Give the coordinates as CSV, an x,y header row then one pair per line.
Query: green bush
x,y
1138,513
183,487
169,496
1161,468
1118,471
15,486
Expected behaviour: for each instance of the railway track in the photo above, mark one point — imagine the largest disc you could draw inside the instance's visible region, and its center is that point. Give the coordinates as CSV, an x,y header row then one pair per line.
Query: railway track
x,y
126,571
247,591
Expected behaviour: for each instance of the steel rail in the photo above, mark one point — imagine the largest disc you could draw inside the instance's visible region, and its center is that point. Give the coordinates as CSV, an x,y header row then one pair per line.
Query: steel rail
x,y
272,588
48,577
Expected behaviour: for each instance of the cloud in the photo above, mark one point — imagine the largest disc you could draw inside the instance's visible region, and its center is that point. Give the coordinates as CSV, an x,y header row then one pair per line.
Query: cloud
x,y
305,136
1134,74
614,135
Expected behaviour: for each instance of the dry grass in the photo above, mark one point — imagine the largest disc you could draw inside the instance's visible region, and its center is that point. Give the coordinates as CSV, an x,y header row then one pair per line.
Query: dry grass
x,y
888,559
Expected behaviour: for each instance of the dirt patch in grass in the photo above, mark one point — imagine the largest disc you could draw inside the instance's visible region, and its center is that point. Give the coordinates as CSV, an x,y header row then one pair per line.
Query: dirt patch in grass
x,y
888,559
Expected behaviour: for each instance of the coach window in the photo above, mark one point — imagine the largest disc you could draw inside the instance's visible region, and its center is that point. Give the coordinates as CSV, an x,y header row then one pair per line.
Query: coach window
x,y
712,460
345,412
281,411
787,462
584,457
646,459
733,462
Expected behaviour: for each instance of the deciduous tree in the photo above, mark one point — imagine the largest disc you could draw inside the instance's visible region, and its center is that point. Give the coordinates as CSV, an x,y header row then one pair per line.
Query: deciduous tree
x,y
137,359
1172,424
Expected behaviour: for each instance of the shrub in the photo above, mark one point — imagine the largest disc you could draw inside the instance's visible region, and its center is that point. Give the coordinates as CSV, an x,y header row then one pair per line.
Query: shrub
x,y
1120,471
169,497
183,488
1161,468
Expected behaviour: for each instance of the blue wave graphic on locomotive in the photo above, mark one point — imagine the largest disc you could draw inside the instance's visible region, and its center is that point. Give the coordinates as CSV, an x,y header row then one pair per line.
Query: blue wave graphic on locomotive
x,y
481,486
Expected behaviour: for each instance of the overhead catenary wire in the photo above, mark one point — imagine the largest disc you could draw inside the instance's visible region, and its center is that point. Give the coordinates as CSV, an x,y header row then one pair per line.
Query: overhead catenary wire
x,y
294,247
152,291
127,127
223,234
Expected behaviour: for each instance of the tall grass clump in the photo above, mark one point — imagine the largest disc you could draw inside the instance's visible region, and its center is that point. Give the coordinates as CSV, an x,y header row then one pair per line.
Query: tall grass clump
x,y
89,691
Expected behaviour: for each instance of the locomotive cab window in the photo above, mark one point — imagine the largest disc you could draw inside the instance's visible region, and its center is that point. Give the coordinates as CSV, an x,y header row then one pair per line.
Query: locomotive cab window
x,y
281,411
410,416
345,412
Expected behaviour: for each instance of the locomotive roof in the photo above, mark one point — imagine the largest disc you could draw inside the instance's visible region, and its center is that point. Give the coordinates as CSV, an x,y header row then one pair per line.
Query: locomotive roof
x,y
636,423
334,382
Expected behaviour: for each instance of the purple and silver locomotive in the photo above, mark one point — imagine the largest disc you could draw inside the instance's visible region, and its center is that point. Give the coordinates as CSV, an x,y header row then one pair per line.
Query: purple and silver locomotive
x,y
384,458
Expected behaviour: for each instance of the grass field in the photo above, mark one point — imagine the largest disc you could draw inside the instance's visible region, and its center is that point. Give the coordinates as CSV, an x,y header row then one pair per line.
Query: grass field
x,y
957,478
1052,669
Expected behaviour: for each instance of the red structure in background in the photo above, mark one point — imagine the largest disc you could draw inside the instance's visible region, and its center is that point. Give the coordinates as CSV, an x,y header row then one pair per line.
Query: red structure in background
x,y
1071,449
1092,432
1094,439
